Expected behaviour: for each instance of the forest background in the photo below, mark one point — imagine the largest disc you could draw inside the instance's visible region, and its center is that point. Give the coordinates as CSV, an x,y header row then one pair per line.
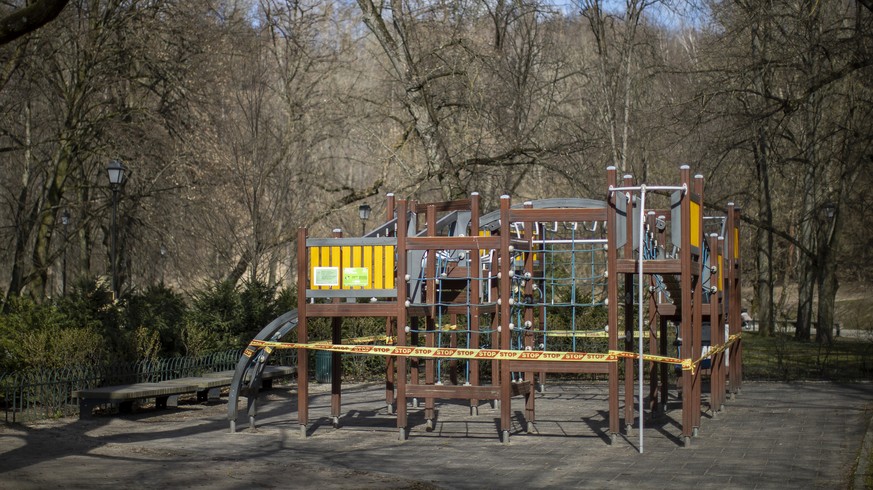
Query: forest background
x,y
241,120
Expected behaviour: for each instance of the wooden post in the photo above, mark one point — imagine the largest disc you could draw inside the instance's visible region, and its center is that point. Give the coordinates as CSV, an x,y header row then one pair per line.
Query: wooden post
x,y
504,296
629,313
475,293
302,354
685,318
430,322
530,396
697,307
336,362
402,294
390,324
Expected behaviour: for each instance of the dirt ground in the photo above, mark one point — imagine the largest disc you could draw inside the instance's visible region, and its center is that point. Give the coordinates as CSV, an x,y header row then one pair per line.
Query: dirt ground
x,y
773,435
189,447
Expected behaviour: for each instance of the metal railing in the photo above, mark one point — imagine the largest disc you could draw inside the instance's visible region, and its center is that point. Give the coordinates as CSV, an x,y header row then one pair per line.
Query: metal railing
x,y
46,393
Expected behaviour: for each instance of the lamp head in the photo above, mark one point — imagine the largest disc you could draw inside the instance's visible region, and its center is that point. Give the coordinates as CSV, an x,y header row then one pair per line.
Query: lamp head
x,y
364,211
116,170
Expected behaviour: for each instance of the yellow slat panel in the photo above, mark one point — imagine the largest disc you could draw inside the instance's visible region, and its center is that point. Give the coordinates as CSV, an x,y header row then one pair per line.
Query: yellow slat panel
x,y
388,270
356,259
483,252
313,263
695,224
336,261
368,263
736,243
720,275
378,267
345,262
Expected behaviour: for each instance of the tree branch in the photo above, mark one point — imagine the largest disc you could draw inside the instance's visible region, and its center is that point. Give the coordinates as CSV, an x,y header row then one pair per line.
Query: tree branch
x,y
28,19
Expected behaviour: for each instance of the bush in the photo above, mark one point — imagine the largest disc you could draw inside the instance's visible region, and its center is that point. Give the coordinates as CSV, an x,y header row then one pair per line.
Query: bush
x,y
91,304
225,316
157,315
34,335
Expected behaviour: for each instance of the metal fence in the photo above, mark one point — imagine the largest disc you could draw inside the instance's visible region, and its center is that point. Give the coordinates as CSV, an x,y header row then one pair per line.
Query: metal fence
x,y
46,393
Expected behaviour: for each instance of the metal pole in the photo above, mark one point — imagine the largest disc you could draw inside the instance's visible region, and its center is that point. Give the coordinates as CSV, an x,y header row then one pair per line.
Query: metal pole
x,y
641,259
114,238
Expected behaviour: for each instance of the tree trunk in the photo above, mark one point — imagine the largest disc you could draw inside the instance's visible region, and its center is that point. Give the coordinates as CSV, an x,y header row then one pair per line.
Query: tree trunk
x,y
23,218
827,296
764,238
41,256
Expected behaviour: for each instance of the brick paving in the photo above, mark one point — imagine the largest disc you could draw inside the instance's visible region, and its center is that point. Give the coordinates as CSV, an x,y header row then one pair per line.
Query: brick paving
x,y
771,435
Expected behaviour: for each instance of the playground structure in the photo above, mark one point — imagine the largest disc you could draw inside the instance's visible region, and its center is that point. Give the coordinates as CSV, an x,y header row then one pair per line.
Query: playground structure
x,y
475,305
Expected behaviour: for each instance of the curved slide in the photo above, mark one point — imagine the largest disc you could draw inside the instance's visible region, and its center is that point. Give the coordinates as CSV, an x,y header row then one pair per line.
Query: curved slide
x,y
247,376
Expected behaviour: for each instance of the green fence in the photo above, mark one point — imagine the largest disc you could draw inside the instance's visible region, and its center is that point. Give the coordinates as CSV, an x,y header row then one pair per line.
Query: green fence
x,y
45,393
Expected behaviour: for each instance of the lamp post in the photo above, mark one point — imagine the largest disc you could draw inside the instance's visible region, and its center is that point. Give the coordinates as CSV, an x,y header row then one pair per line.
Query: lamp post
x,y
116,170
830,209
65,220
364,213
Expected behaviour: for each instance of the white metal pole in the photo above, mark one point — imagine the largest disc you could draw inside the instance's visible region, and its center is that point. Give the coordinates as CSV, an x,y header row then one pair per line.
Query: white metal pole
x,y
640,305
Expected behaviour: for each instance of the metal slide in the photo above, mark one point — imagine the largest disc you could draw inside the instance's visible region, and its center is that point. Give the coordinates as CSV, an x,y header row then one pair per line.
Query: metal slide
x,y
247,376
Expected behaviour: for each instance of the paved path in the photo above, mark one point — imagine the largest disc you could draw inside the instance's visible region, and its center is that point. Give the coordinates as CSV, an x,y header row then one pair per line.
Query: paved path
x,y
772,435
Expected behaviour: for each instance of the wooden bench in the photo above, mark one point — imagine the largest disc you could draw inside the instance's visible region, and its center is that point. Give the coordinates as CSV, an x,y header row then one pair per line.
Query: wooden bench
x,y
166,393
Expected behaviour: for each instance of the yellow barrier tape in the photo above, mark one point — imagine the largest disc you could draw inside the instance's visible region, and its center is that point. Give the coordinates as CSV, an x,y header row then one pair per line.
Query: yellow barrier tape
x,y
685,363
499,354
717,349
591,334
441,352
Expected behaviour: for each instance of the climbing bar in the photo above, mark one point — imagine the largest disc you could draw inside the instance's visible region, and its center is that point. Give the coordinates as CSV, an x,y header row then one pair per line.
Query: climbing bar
x,y
364,340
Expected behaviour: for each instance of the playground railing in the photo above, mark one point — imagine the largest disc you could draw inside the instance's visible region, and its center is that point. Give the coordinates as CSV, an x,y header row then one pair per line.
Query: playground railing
x,y
34,394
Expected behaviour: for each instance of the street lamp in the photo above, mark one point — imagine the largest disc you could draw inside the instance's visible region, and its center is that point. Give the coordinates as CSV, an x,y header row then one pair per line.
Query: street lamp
x,y
830,209
116,170
65,220
364,213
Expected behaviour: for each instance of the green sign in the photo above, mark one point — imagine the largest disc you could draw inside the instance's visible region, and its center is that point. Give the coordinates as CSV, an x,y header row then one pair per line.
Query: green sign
x,y
325,276
356,277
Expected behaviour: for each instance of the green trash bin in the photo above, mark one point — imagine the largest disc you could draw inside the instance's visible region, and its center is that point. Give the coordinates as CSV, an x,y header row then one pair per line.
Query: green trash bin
x,y
323,366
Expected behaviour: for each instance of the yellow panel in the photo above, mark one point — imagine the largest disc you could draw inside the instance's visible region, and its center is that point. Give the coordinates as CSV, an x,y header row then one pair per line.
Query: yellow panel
x,y
313,263
695,224
336,261
736,243
346,261
368,263
356,256
720,270
378,260
356,262
388,271
378,267
483,252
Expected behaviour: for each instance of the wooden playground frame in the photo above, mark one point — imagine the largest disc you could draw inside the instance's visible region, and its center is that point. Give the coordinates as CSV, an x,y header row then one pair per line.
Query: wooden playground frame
x,y
456,266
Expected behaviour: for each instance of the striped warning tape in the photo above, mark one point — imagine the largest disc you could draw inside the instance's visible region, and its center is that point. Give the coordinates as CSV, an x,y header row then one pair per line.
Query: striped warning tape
x,y
685,363
442,352
590,334
496,354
